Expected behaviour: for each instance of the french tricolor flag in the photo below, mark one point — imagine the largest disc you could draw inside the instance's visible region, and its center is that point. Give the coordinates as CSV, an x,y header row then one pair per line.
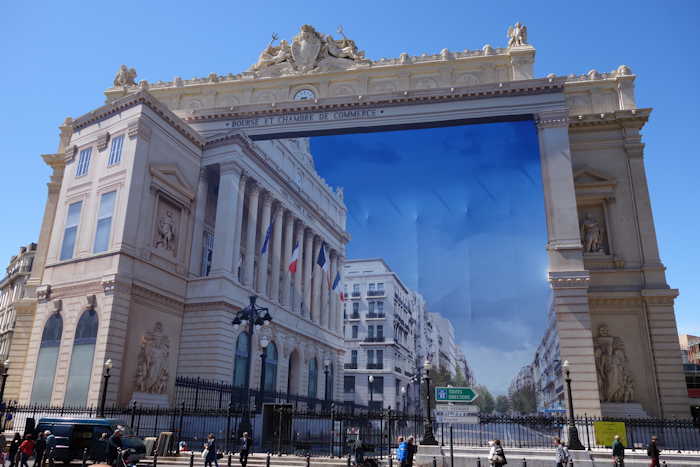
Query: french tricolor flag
x,y
336,283
294,259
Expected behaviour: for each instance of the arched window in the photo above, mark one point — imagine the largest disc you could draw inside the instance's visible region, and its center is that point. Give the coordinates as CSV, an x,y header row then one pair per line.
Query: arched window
x,y
242,363
81,359
313,378
46,361
271,368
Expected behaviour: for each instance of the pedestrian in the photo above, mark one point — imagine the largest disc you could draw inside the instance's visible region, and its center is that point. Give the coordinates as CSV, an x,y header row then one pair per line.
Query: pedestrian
x,y
402,452
115,447
101,449
618,452
50,444
210,447
246,445
653,452
561,453
26,449
412,449
359,451
39,449
14,449
497,456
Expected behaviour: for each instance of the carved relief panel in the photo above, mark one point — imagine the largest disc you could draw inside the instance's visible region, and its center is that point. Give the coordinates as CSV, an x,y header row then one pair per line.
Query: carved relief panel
x,y
615,381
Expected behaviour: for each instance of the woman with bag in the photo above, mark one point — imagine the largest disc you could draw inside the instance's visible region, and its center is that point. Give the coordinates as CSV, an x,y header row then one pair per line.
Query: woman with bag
x,y
497,456
209,453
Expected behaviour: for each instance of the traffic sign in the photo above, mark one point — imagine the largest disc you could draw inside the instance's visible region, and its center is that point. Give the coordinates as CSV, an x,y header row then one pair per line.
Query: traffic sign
x,y
450,394
471,409
455,415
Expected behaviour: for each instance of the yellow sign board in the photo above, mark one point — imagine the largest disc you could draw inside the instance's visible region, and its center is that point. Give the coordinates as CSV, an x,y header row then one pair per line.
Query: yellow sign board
x,y
605,433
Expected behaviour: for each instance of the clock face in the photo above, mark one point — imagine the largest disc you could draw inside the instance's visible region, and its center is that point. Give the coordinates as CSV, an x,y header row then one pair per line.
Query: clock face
x,y
304,94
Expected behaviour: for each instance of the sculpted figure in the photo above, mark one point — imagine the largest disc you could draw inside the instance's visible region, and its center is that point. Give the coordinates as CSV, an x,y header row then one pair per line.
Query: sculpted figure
x,y
272,55
343,48
592,234
166,231
615,381
517,35
152,366
125,77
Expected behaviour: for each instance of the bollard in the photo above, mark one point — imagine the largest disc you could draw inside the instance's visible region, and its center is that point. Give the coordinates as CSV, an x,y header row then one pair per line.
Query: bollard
x,y
267,461
524,462
84,457
229,460
478,462
155,459
192,460
434,462
349,460
308,460
663,463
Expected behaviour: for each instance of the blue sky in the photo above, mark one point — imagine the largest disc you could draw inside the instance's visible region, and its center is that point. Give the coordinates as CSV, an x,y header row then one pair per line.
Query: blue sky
x,y
58,57
458,214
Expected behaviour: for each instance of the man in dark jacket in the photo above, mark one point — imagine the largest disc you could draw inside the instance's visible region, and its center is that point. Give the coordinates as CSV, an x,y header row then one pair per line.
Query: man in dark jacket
x,y
115,445
39,449
412,449
653,452
618,452
246,445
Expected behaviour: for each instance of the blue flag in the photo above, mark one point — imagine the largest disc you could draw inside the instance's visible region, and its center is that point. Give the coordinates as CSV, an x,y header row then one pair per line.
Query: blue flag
x,y
266,242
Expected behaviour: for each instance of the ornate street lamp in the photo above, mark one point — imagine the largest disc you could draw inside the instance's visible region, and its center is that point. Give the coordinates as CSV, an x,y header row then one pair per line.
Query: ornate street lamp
x,y
264,342
326,371
252,318
371,391
403,394
574,441
105,375
428,437
6,366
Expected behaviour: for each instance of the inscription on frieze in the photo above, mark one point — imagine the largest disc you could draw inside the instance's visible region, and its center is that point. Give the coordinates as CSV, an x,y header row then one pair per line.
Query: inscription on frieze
x,y
305,117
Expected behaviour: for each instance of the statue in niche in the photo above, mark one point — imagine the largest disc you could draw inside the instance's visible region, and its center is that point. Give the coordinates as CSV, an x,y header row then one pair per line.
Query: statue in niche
x,y
166,231
592,234
125,77
152,365
517,35
615,381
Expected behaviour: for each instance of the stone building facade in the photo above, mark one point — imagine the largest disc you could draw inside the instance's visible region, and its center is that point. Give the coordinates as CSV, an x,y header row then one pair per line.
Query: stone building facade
x,y
610,294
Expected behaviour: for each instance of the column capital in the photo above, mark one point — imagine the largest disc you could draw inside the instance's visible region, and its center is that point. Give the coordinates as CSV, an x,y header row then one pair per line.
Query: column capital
x,y
253,188
229,167
552,119
267,198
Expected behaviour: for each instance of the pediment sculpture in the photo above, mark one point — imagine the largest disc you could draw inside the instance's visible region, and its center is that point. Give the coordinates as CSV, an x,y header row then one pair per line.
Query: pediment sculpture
x,y
517,35
125,77
152,372
309,52
615,381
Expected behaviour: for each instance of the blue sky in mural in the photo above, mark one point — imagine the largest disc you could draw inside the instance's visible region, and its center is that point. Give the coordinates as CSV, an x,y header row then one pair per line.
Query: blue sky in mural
x,y
458,213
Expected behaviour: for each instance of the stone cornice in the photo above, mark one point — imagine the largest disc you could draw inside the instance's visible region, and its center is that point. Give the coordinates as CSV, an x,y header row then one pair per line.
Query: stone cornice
x,y
510,88
635,118
150,294
140,98
211,306
633,298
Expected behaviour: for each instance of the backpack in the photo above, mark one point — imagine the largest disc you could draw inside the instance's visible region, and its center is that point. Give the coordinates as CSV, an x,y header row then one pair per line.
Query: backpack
x,y
402,452
500,456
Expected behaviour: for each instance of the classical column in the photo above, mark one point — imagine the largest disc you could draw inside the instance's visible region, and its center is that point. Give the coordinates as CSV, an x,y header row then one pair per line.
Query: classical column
x,y
325,315
316,283
308,270
277,263
299,276
196,256
338,303
264,258
332,296
229,179
286,276
238,235
567,275
253,197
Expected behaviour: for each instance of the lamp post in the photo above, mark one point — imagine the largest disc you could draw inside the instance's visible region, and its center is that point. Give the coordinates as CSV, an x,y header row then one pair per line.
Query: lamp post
x,y
105,375
6,366
428,437
326,371
574,441
371,391
251,318
264,342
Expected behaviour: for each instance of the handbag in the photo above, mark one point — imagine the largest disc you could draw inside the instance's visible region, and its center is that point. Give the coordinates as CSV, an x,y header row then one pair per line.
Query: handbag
x,y
205,453
500,457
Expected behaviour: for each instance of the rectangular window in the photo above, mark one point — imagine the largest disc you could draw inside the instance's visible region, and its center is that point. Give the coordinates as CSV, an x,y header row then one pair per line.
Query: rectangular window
x,y
207,253
83,162
354,332
378,385
380,308
398,387
370,357
380,357
353,357
370,331
380,286
380,332
355,307
371,287
71,230
349,384
104,222
371,307
115,152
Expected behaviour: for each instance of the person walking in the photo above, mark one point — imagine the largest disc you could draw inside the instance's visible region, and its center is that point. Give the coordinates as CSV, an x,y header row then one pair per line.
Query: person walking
x,y
561,453
412,449
618,452
14,449
210,446
50,444
115,447
497,455
359,451
402,452
653,452
246,445
39,449
26,449
101,449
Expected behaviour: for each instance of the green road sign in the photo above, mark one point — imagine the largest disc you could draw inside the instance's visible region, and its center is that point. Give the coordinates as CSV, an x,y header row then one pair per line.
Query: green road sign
x,y
455,394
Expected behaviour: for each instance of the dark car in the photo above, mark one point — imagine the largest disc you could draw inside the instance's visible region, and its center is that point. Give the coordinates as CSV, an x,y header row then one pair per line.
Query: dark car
x,y
74,435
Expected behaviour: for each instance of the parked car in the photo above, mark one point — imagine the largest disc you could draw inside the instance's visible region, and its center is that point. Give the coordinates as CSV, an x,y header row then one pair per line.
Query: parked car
x,y
74,435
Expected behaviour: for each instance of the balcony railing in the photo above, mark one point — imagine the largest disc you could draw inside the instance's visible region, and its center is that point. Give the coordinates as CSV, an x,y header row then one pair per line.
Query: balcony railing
x,y
376,315
354,316
374,339
375,366
356,295
351,366
375,293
